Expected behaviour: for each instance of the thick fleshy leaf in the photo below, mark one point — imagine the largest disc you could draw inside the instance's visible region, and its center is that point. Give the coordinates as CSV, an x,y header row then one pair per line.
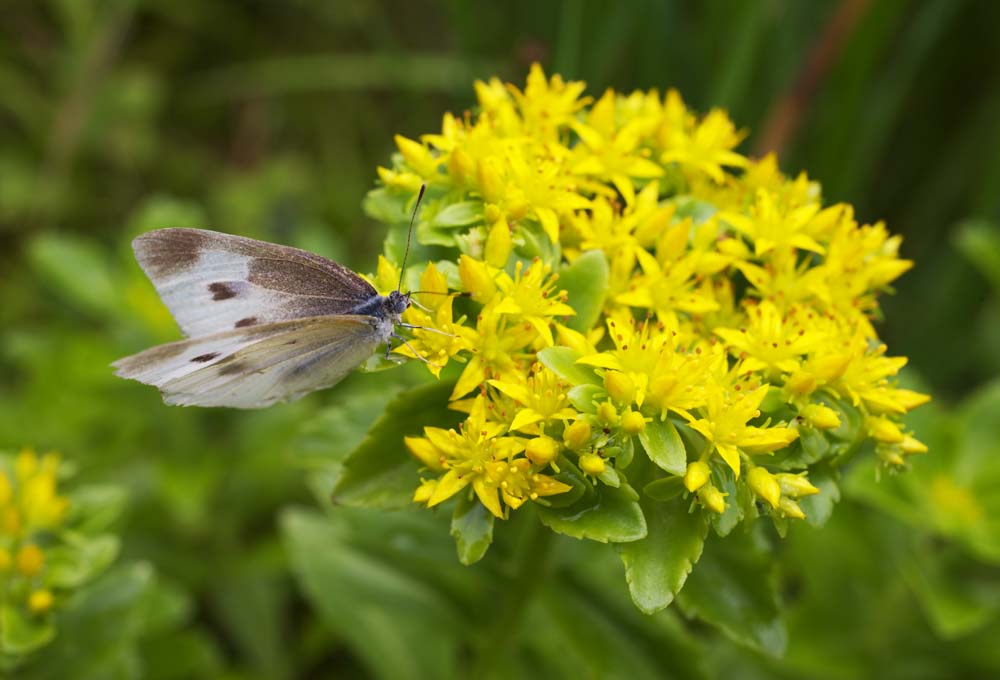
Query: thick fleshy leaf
x,y
381,605
664,489
80,558
733,588
664,446
586,282
562,362
657,566
459,214
818,507
472,528
607,515
381,472
21,632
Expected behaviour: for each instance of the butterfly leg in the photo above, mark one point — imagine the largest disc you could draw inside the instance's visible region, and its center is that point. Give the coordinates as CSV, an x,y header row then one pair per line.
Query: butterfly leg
x,y
425,328
415,353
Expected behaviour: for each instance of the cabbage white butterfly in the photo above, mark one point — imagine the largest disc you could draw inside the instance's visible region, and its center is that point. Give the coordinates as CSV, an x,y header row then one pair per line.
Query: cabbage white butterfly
x,y
265,323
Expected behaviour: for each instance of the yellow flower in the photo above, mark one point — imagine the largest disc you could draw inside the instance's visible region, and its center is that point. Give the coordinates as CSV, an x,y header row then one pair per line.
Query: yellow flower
x,y
707,148
498,346
613,152
40,601
30,560
547,104
772,342
770,226
724,425
541,398
530,296
480,455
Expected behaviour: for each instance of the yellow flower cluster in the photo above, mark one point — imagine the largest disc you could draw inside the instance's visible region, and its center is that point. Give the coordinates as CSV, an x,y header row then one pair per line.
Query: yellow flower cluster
x,y
30,511
629,270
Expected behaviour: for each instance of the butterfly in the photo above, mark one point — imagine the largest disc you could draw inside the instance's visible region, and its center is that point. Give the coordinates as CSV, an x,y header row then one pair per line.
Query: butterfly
x,y
265,323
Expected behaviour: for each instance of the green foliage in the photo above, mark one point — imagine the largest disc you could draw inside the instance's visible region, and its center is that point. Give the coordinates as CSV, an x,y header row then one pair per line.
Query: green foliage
x,y
124,116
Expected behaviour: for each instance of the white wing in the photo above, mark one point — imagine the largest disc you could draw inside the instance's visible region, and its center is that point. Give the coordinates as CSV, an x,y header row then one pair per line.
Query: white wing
x,y
214,282
258,366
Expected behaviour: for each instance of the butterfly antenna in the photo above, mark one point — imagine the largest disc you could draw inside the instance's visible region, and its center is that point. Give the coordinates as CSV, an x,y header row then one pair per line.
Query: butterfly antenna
x,y
409,235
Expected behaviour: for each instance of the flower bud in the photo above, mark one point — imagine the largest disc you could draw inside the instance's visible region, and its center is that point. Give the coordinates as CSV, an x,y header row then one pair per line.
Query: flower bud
x,y
890,455
30,560
461,167
425,491
490,182
620,386
10,521
424,451
912,445
713,499
831,367
795,486
800,383
498,243
577,434
790,508
884,430
542,450
633,422
417,156
592,464
764,484
476,279
820,416
697,475
606,414
40,601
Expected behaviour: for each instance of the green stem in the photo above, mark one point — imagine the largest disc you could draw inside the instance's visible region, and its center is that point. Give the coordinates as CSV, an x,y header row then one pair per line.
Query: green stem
x,y
531,566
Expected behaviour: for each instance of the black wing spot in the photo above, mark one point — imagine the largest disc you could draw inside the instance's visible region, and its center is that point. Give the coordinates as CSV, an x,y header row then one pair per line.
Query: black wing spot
x,y
221,290
202,358
249,321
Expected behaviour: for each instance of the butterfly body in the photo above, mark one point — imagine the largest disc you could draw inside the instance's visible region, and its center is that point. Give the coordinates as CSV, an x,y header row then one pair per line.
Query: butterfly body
x,y
265,323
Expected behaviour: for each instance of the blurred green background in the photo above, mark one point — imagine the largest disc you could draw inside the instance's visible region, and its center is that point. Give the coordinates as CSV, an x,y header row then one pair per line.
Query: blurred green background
x,y
268,119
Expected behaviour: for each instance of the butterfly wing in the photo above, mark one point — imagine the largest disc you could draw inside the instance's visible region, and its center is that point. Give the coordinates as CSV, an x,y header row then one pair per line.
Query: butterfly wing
x,y
214,282
258,366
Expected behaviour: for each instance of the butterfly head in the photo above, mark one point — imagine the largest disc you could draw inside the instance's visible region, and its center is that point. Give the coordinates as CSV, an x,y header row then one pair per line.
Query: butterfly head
x,y
396,302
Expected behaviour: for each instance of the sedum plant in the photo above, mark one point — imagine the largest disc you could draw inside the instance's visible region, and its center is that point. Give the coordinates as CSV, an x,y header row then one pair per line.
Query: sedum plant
x,y
657,338
51,547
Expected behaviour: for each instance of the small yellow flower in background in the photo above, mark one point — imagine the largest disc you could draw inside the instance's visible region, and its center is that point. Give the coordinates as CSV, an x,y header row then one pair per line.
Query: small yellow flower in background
x,y
40,601
633,282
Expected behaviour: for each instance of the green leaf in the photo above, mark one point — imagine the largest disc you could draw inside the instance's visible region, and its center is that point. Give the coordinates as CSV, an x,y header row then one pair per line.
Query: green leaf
x,y
460,214
94,509
562,361
608,515
80,558
586,282
21,632
657,566
979,241
733,588
395,619
665,488
582,397
956,596
78,270
381,472
725,480
472,528
664,446
385,206
819,507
